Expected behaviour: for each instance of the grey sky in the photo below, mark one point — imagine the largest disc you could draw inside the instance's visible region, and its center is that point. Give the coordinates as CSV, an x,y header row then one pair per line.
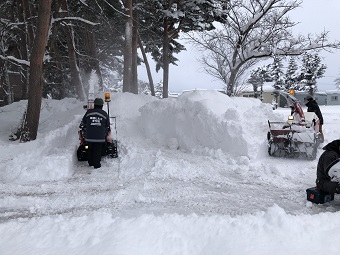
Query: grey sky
x,y
313,16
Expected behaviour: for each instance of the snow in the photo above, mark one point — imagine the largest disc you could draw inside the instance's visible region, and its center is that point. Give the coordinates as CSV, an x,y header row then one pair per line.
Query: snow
x,y
193,177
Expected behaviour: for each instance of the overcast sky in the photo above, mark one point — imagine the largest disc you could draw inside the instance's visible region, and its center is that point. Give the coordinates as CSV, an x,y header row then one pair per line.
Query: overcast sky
x,y
314,16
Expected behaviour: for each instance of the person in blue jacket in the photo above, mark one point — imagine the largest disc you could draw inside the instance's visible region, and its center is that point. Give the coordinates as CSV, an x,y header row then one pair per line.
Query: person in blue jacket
x,y
97,124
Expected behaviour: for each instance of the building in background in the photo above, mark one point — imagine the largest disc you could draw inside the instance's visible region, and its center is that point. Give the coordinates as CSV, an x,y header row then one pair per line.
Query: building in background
x,y
333,97
268,94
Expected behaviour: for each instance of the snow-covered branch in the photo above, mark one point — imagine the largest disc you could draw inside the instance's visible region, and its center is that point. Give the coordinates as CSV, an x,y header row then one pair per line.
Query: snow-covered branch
x,y
15,60
76,19
257,30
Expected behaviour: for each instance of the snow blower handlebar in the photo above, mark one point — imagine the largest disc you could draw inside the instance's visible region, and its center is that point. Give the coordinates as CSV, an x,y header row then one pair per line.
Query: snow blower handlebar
x,y
108,100
295,107
114,143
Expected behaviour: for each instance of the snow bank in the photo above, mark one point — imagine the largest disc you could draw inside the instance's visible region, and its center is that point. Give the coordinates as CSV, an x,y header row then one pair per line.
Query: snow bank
x,y
269,232
205,120
36,160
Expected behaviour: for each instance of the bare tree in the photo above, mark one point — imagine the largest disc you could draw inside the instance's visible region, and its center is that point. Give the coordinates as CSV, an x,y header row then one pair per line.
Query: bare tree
x,y
147,66
254,30
32,115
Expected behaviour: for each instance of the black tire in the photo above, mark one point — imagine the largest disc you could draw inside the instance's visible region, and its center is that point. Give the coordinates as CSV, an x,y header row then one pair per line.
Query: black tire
x,y
82,153
270,148
111,150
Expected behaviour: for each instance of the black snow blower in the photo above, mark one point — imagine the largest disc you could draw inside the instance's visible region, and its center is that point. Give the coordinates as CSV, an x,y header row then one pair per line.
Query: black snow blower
x,y
110,147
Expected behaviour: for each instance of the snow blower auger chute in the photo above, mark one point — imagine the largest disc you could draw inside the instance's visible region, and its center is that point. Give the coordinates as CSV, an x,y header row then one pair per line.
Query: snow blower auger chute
x,y
298,137
110,147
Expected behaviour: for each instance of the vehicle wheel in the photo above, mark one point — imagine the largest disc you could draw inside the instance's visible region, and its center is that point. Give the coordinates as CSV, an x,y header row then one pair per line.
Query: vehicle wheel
x,y
111,149
270,149
82,153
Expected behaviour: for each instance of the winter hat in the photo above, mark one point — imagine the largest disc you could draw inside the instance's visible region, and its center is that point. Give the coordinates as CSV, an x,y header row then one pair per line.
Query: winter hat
x,y
333,146
308,98
98,102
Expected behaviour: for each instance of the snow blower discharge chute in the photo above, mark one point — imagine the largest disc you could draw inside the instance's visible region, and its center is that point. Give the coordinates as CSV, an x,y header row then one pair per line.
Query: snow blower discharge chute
x,y
298,137
110,146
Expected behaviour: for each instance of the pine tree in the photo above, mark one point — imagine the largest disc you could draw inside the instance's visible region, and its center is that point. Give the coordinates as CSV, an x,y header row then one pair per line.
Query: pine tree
x,y
291,75
164,20
159,89
312,69
257,77
255,80
277,73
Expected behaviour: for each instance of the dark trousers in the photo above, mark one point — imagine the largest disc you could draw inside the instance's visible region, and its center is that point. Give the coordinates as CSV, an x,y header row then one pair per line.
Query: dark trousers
x,y
94,154
328,186
321,133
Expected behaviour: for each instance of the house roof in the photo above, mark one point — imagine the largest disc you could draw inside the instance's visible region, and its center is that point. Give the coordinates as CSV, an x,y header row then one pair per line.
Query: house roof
x,y
267,87
334,91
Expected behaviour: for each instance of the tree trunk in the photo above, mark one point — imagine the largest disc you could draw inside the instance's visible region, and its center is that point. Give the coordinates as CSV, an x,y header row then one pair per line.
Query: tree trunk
x,y
9,99
231,83
31,121
55,52
147,66
232,79
2,84
165,60
92,52
29,27
311,86
128,48
75,75
134,76
91,62
23,50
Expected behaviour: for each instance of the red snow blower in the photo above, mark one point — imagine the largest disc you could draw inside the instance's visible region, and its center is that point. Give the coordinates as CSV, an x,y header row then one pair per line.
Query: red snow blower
x,y
298,137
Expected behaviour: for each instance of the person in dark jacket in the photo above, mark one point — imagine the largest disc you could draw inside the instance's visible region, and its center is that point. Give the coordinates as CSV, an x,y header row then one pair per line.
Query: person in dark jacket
x,y
328,172
312,106
97,123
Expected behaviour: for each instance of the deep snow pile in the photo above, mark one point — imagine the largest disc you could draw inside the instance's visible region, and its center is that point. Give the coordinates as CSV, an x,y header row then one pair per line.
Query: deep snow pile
x,y
193,177
209,121
204,122
36,160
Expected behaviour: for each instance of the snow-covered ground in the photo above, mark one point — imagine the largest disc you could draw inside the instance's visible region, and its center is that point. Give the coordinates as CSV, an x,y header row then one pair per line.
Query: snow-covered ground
x,y
193,177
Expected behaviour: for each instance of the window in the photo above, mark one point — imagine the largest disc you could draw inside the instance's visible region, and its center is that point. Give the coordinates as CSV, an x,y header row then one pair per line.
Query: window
x,y
248,95
334,98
